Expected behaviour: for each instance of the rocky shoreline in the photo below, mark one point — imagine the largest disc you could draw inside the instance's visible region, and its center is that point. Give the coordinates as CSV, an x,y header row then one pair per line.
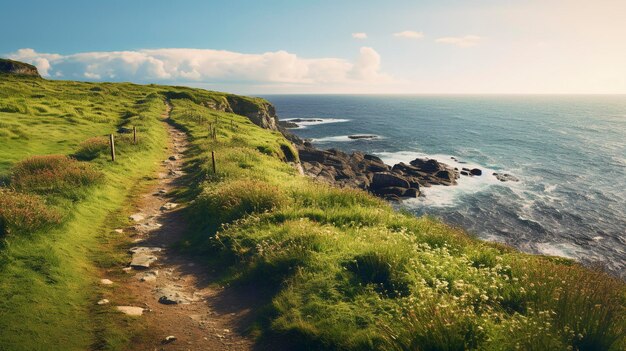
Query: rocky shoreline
x,y
368,172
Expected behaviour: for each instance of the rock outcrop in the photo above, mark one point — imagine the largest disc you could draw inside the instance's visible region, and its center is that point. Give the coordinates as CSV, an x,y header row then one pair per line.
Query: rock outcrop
x,y
17,68
368,172
259,111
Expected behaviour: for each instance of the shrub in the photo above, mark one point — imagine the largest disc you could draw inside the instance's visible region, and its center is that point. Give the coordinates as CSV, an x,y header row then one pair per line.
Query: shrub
x,y
232,200
380,270
24,213
91,148
53,174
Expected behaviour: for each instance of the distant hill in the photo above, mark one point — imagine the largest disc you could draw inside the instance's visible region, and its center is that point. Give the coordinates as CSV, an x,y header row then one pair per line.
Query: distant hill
x,y
15,67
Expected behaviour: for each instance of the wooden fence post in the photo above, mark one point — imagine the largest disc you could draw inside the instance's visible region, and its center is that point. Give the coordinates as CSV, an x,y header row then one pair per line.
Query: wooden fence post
x,y
134,135
213,159
112,143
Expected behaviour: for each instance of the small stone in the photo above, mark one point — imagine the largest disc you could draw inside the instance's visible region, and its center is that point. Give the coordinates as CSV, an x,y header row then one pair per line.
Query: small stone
x,y
169,206
137,217
120,231
168,339
174,158
130,310
127,269
106,281
103,302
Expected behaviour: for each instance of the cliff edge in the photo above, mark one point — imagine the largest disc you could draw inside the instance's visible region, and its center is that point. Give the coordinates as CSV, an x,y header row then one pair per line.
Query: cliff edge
x,y
18,68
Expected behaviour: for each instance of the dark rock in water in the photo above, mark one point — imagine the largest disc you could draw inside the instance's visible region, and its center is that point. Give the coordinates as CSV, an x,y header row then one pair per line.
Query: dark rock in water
x,y
368,172
392,198
357,137
411,192
445,175
505,177
124,130
288,124
466,173
427,165
18,68
392,190
385,179
476,172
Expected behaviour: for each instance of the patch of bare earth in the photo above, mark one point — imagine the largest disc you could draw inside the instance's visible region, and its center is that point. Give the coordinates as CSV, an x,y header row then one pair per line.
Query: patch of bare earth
x,y
182,307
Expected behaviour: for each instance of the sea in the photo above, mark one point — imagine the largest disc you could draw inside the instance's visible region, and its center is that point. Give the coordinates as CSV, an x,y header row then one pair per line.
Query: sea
x,y
568,152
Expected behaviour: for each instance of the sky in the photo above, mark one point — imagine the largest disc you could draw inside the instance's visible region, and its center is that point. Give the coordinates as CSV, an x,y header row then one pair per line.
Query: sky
x,y
339,46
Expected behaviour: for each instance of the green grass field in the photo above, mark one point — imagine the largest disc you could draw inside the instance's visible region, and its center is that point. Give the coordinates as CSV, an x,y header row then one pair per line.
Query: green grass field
x,y
342,270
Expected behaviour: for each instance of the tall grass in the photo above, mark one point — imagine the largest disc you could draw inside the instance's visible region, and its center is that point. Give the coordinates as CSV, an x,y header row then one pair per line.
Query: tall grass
x,y
54,174
24,213
347,272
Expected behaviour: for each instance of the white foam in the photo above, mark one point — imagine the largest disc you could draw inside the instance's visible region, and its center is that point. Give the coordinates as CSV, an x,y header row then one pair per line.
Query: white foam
x,y
445,196
318,121
342,138
560,249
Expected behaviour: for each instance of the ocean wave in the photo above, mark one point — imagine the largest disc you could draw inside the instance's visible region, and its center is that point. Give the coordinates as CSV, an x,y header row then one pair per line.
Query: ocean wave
x,y
443,196
315,121
342,138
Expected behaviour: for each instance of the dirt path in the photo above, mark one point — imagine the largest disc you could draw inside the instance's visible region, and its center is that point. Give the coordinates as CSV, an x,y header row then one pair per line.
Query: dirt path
x,y
177,295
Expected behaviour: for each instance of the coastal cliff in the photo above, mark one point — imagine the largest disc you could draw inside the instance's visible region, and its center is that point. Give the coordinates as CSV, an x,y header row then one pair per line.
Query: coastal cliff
x,y
17,68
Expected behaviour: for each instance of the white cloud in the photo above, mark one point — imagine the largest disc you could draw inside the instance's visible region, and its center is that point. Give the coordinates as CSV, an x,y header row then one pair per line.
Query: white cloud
x,y
409,34
359,35
463,42
207,66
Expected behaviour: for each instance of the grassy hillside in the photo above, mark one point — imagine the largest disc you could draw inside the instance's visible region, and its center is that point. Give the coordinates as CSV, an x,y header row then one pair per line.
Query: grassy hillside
x,y
340,269
345,271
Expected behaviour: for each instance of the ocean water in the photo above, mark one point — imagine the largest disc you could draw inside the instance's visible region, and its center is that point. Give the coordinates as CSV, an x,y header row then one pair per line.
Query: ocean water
x,y
569,153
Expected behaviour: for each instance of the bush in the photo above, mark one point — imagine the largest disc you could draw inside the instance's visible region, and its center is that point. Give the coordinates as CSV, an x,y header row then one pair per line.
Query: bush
x,y
91,148
53,174
24,213
233,200
381,271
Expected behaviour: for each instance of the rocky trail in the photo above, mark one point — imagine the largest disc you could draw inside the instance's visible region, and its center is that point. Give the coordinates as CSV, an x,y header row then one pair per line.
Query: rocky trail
x,y
174,297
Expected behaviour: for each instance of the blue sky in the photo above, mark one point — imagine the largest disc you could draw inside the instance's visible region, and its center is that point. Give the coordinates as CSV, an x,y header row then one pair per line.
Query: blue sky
x,y
445,46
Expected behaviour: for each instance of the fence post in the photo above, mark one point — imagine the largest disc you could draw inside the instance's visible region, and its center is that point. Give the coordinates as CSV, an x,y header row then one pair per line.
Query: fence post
x,y
112,143
213,159
134,135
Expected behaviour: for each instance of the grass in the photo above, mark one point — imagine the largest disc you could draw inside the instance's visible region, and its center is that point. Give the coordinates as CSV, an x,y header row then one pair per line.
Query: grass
x,y
347,272
48,272
342,269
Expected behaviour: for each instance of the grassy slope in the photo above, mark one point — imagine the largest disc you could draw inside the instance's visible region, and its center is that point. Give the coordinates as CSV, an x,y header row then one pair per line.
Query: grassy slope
x,y
346,271
48,279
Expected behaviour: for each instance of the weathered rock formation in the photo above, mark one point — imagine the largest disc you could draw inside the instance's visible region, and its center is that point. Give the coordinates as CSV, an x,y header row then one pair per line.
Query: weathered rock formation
x,y
368,172
18,68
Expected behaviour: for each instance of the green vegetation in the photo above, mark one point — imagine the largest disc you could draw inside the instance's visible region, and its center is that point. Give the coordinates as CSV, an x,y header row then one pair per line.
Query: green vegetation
x,y
344,271
340,269
55,210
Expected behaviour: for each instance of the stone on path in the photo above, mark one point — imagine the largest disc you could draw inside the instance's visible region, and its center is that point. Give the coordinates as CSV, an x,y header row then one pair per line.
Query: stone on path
x,y
106,281
143,257
168,206
169,339
147,227
170,296
137,217
102,302
130,310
